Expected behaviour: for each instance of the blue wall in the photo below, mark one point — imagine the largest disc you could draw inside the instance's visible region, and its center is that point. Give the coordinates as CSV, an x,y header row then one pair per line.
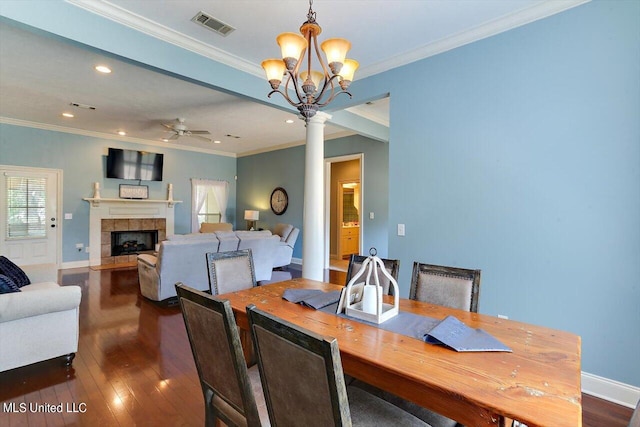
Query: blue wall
x,y
523,160
82,160
259,174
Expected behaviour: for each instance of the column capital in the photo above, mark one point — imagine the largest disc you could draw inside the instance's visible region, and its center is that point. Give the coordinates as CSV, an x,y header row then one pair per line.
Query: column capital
x,y
320,117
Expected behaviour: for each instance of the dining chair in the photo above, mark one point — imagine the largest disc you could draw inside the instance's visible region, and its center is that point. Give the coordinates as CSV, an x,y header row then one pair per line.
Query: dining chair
x,y
232,393
303,382
230,271
448,286
392,266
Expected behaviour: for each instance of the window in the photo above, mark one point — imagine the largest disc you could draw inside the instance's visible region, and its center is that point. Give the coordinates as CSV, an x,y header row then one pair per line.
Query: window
x,y
210,211
208,202
26,207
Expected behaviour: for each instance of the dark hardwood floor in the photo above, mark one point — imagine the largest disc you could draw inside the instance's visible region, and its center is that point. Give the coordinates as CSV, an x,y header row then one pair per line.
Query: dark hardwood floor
x,y
134,367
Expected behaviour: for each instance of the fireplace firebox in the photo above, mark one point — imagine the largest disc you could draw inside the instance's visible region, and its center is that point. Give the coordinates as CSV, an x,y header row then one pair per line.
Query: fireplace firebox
x,y
133,242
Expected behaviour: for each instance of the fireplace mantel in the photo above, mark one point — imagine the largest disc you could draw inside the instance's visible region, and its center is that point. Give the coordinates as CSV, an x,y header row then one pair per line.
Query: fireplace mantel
x,y
103,208
96,202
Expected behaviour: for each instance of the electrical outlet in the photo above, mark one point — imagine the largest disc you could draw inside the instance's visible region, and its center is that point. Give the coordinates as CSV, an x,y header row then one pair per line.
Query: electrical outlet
x,y
371,215
79,246
86,249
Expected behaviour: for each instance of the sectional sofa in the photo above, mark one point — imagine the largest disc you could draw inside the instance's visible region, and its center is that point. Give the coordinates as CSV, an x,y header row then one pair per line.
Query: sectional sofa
x,y
181,258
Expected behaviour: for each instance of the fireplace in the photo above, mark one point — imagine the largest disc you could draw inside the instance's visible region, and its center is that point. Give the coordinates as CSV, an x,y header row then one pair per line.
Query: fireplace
x,y
123,239
133,242
108,215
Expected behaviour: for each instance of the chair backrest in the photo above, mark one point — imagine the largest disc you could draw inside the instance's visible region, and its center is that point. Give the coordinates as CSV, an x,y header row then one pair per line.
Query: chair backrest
x,y
448,286
217,351
392,266
301,373
230,271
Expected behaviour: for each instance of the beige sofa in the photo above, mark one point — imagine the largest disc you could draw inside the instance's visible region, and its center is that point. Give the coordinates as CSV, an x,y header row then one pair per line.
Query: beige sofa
x,y
41,321
181,258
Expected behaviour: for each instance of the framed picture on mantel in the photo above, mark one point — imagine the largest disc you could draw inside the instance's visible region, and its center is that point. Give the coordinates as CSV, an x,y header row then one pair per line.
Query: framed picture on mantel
x,y
134,191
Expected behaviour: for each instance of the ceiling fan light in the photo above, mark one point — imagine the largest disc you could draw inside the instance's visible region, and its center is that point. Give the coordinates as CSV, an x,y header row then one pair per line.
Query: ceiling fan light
x,y
291,45
274,68
335,50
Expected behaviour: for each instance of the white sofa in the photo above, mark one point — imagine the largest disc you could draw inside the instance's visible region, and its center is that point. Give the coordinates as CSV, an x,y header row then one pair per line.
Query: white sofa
x,y
181,258
288,236
41,321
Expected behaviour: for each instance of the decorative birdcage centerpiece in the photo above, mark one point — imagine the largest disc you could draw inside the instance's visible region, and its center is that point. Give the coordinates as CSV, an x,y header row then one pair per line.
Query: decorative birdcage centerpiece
x,y
368,304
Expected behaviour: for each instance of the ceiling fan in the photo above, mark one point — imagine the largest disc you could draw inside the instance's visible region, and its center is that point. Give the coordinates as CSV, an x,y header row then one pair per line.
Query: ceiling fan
x,y
180,129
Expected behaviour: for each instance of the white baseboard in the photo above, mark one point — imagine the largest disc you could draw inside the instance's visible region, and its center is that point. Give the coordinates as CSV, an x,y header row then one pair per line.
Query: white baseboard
x,y
74,264
611,390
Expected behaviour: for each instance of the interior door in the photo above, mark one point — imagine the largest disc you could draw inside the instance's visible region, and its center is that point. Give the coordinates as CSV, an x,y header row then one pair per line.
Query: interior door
x,y
29,225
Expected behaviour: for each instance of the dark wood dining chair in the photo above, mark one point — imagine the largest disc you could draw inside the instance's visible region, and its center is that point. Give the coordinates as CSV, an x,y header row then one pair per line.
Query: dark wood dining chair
x,y
303,382
392,266
230,271
447,286
232,393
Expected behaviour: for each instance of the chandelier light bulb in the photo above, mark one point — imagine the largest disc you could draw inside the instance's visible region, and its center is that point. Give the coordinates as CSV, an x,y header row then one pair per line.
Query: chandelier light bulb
x,y
292,46
335,51
274,68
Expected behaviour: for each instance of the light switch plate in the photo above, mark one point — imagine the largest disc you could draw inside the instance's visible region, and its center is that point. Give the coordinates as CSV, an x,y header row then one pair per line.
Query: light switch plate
x,y
400,229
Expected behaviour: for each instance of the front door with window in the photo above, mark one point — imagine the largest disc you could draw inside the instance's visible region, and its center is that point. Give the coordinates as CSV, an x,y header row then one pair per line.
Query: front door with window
x,y
29,226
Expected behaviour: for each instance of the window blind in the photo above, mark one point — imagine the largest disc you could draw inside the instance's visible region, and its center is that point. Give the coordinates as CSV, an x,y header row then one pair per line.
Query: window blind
x,y
26,207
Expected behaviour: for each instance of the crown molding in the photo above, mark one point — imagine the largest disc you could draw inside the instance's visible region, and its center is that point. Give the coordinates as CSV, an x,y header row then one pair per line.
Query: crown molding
x,y
488,29
64,129
154,29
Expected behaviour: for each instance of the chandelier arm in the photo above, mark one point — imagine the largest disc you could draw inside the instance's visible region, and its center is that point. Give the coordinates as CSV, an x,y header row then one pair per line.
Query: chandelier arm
x,y
292,77
286,97
333,96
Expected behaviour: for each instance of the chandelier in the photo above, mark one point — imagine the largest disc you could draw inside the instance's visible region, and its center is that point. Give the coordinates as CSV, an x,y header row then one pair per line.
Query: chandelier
x,y
313,89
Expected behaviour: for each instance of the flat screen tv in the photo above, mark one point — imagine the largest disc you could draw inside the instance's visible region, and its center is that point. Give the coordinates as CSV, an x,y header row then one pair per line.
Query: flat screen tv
x,y
132,164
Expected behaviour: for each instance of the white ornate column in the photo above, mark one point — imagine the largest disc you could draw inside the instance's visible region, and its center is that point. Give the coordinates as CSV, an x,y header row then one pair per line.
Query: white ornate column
x,y
313,216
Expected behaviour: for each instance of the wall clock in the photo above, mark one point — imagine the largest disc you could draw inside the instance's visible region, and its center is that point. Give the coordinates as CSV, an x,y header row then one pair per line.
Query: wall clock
x,y
279,201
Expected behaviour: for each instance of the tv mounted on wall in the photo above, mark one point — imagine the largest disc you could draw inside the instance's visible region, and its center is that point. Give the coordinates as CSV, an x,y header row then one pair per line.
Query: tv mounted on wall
x,y
132,164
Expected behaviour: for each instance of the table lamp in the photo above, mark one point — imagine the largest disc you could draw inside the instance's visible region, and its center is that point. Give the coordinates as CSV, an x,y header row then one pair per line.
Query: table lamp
x,y
251,217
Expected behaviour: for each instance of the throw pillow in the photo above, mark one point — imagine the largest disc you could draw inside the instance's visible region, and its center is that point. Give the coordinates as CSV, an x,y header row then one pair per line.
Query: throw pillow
x,y
7,285
13,272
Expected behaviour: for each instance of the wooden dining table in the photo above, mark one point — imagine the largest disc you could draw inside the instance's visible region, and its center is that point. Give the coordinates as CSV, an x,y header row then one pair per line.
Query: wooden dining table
x,y
538,383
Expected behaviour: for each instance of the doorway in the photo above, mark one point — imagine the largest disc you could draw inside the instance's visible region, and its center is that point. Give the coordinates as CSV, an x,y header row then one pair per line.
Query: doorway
x,y
30,232
344,200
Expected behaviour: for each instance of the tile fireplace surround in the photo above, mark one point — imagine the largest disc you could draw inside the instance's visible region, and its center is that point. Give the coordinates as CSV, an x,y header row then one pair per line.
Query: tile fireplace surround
x,y
131,224
107,215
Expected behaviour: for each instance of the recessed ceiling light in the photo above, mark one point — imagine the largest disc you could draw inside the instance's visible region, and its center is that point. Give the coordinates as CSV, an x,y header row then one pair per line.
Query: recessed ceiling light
x,y
289,121
216,141
165,140
121,133
68,115
103,69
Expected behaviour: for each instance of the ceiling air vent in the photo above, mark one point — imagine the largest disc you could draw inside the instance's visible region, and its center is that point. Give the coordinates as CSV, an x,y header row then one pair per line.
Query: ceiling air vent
x,y
213,24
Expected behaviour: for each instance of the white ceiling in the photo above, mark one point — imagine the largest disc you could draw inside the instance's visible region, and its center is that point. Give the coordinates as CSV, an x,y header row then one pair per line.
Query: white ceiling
x,y
39,80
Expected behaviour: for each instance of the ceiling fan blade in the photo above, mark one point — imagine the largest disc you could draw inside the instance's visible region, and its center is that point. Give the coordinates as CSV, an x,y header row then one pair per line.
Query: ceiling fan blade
x,y
200,132
167,126
200,137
